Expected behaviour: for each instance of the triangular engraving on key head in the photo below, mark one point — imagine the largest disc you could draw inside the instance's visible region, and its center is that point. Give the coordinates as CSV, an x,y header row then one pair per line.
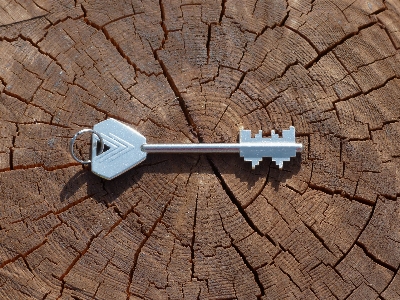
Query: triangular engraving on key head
x,y
124,149
117,147
279,149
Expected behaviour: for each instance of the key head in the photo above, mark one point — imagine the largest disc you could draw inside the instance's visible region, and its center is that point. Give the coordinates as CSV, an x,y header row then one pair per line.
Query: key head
x,y
122,149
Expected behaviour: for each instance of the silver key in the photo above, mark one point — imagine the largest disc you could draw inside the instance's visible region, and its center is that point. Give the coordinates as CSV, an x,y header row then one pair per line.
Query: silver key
x,y
122,148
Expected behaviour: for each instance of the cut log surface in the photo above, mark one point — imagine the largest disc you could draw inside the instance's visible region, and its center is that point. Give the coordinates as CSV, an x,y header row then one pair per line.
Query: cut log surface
x,y
201,226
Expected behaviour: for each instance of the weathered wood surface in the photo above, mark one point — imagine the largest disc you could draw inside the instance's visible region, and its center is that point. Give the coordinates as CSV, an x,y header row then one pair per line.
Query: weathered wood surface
x,y
195,226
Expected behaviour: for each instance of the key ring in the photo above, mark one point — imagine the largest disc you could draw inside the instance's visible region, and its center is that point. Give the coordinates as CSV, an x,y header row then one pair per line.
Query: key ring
x,y
71,145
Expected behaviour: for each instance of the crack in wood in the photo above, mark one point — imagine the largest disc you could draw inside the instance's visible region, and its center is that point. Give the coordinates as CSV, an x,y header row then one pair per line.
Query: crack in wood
x,y
141,245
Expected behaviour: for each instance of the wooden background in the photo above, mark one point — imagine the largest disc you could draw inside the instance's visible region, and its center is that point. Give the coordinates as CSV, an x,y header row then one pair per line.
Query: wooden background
x,y
201,226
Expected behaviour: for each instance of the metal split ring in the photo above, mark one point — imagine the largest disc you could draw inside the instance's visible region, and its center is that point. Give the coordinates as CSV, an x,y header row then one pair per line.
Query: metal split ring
x,y
71,144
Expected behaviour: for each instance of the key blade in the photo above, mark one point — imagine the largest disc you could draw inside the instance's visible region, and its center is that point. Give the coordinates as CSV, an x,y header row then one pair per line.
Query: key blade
x,y
280,149
123,145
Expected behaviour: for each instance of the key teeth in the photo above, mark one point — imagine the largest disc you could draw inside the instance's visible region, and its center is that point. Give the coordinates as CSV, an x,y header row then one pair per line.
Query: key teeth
x,y
279,161
254,161
258,136
254,164
289,134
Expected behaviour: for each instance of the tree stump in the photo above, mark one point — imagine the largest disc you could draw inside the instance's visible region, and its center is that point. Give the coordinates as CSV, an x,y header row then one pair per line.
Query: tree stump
x,y
201,226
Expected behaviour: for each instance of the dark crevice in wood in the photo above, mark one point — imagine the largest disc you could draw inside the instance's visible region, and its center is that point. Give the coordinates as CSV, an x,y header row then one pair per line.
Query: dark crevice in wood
x,y
24,21
294,190
164,28
390,38
10,40
42,122
341,193
329,48
179,97
208,43
220,118
290,277
263,104
40,6
193,238
121,215
352,77
11,156
254,7
11,94
341,155
27,265
362,200
361,140
22,255
80,254
280,24
318,237
117,19
246,262
43,215
358,236
118,212
30,41
274,257
74,203
122,53
232,197
84,11
358,67
110,115
310,43
61,289
261,189
238,84
97,289
55,227
316,266
169,261
114,43
223,4
141,245
383,125
374,258
379,10
51,24
390,282
28,102
283,73
41,165
113,226
381,85
283,22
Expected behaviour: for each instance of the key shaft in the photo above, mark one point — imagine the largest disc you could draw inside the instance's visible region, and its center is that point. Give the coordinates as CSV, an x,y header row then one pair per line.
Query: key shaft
x,y
213,148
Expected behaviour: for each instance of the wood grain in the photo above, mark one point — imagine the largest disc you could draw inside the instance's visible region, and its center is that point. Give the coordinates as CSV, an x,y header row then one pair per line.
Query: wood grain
x,y
201,226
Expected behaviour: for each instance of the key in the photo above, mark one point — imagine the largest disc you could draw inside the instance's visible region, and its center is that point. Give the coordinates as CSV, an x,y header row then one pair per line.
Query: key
x,y
117,147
